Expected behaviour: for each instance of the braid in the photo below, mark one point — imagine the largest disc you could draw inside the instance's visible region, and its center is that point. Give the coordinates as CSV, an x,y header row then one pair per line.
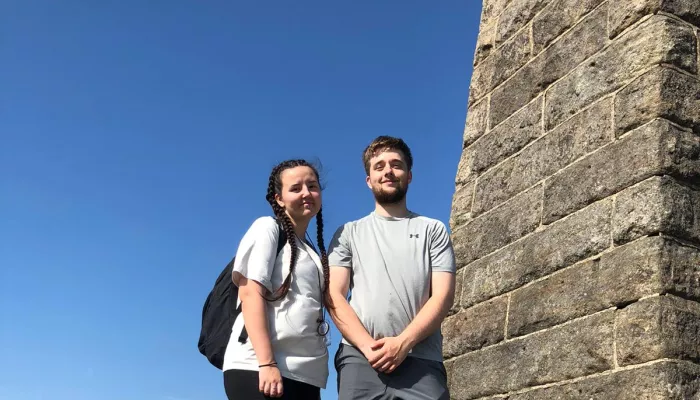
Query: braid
x,y
286,224
275,187
324,258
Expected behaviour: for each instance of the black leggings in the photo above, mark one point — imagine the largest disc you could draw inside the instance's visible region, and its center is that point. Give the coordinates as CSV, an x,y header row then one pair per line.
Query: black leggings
x,y
243,385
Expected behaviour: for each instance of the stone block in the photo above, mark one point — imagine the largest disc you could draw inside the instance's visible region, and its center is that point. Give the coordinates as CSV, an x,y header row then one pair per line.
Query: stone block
x,y
457,303
464,170
474,328
503,61
581,348
683,270
625,13
658,327
659,39
589,130
498,228
665,380
556,18
503,141
579,236
461,204
491,9
515,16
587,37
657,205
477,121
484,42
659,93
656,148
624,275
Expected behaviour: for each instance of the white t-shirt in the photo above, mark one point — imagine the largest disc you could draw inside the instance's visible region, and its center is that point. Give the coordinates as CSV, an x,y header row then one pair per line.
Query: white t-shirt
x,y
300,352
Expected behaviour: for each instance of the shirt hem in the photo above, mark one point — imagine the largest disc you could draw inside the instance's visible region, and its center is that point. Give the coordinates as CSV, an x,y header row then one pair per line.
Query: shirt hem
x,y
285,373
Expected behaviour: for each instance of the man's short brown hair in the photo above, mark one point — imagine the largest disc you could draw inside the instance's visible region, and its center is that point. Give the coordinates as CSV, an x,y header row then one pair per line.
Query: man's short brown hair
x,y
384,143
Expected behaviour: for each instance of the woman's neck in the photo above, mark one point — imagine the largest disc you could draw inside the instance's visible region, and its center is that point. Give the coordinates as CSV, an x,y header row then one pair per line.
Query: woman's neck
x,y
300,227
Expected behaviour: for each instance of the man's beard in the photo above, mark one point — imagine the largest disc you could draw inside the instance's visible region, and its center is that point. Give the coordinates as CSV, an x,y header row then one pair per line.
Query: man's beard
x,y
383,197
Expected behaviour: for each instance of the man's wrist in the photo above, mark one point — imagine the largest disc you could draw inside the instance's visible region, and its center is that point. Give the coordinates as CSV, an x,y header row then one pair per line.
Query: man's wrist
x,y
365,344
407,340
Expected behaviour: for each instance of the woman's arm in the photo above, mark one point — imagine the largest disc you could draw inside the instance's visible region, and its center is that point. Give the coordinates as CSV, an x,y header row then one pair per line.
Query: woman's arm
x,y
255,317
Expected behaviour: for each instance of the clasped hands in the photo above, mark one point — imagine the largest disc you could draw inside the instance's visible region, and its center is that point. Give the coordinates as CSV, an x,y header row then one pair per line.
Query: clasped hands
x,y
386,354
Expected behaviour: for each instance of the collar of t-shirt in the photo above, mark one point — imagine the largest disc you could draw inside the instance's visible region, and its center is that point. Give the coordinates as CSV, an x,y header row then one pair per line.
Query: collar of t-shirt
x,y
410,215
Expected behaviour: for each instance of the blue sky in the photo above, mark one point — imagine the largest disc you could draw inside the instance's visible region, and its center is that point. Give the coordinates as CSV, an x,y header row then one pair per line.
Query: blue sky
x,y
137,137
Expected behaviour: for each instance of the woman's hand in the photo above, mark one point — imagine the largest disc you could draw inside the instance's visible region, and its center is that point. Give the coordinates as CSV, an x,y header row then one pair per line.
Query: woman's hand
x,y
270,381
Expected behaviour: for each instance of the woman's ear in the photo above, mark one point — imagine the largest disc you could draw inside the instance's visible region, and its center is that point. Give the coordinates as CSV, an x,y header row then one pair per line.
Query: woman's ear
x,y
279,201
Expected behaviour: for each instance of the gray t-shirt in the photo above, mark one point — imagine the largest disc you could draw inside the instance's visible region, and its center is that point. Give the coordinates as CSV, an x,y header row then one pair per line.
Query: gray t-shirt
x,y
392,260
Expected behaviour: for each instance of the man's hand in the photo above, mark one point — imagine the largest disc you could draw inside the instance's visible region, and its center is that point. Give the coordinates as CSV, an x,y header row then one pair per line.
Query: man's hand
x,y
371,352
389,354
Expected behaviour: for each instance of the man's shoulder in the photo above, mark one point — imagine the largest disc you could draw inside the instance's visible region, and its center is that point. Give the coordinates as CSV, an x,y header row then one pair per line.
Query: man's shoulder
x,y
357,223
349,229
431,222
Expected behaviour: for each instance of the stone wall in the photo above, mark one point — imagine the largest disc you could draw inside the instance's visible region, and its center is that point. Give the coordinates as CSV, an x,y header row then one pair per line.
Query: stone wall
x,y
576,215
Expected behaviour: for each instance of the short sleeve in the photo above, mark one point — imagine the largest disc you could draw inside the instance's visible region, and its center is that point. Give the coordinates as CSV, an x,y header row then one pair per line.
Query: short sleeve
x,y
442,256
339,251
256,254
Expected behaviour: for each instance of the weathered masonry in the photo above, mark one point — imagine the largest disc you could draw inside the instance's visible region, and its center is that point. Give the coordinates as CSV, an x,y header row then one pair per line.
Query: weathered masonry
x,y
576,215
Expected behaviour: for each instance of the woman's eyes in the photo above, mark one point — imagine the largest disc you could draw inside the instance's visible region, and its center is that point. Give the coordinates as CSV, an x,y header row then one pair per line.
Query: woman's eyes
x,y
298,189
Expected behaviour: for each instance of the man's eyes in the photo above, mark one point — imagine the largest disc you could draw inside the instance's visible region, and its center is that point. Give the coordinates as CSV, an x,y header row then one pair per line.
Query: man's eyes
x,y
380,167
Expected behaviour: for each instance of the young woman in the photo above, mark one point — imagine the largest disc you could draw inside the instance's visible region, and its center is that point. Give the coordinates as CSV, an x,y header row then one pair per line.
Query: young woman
x,y
282,296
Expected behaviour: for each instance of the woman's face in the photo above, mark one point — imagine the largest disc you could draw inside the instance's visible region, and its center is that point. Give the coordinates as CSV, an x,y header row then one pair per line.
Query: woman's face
x,y
301,193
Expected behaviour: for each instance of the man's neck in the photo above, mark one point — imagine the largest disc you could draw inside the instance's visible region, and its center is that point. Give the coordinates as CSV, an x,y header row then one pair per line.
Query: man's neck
x,y
395,210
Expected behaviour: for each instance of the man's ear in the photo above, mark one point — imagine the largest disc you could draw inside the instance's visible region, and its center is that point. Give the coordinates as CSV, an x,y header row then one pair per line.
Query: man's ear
x,y
410,176
369,185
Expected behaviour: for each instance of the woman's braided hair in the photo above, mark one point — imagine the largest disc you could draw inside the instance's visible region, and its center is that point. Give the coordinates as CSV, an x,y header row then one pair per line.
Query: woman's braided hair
x,y
275,187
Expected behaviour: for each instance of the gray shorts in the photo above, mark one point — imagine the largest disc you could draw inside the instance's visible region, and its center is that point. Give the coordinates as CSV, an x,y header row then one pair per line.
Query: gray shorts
x,y
414,379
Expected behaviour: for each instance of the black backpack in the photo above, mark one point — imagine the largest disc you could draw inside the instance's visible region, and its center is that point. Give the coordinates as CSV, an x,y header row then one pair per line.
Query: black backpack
x,y
220,312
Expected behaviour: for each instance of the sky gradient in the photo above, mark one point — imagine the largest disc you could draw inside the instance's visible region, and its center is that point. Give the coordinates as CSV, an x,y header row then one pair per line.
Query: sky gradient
x,y
137,140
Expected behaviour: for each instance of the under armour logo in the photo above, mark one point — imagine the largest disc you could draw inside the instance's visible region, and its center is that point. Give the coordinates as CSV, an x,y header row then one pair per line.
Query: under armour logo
x,y
413,235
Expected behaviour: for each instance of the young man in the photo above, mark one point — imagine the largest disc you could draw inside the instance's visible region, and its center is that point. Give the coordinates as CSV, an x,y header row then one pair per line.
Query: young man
x,y
400,268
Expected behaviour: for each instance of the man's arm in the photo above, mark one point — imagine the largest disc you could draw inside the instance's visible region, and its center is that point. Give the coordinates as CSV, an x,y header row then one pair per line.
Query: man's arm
x,y
344,316
395,349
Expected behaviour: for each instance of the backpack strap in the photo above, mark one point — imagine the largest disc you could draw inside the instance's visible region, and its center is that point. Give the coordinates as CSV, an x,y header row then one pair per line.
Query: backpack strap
x,y
281,241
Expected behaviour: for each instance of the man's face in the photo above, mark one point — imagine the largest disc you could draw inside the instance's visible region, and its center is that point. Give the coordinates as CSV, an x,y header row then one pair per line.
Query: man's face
x,y
388,177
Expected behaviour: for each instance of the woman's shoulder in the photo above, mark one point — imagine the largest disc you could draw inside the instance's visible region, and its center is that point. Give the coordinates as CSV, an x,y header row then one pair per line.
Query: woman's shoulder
x,y
264,224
